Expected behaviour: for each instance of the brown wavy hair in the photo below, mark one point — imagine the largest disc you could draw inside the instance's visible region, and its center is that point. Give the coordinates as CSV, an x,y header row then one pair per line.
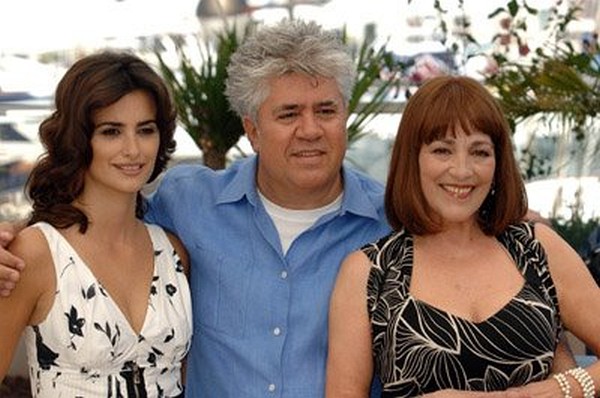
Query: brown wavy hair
x,y
444,103
92,83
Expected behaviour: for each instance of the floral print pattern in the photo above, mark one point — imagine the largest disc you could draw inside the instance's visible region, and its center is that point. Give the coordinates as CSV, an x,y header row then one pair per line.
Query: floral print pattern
x,y
419,348
86,348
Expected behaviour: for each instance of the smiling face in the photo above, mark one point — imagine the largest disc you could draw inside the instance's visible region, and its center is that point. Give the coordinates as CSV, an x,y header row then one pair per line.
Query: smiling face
x,y
300,138
456,173
124,143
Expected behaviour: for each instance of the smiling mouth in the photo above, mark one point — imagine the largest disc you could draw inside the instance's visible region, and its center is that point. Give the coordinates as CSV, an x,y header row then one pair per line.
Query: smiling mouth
x,y
460,192
130,168
308,153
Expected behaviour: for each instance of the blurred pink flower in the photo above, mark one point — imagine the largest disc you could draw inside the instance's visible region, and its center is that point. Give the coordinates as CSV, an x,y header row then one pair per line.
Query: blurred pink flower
x,y
524,50
427,66
505,23
491,67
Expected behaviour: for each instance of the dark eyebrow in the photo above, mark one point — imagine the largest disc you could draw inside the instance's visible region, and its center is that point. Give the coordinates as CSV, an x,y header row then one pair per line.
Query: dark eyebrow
x,y
118,124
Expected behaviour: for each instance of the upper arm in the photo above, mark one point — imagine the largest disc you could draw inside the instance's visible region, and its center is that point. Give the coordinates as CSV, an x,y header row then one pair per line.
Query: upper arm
x,y
578,294
181,252
350,361
23,307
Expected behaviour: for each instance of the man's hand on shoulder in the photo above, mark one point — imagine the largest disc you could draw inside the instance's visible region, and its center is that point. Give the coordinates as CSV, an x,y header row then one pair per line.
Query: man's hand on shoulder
x,y
10,265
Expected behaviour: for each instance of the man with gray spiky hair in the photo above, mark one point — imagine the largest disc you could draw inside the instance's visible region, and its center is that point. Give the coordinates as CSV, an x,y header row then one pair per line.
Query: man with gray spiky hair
x,y
266,236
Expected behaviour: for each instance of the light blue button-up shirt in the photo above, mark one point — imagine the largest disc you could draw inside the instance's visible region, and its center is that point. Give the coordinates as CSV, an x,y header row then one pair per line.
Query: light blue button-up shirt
x,y
260,317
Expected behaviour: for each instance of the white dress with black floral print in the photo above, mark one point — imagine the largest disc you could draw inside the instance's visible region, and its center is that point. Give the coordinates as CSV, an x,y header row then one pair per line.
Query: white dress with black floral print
x,y
86,347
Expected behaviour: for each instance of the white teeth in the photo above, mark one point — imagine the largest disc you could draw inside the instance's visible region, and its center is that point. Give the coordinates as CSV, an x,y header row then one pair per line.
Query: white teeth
x,y
459,191
307,153
130,167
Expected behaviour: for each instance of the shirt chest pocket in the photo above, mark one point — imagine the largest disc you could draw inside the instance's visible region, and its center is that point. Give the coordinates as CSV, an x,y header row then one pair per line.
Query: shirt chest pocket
x,y
219,283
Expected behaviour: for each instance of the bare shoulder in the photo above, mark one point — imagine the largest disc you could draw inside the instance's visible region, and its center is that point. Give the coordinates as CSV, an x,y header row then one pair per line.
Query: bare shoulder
x,y
565,265
34,291
180,250
544,232
553,243
355,268
31,245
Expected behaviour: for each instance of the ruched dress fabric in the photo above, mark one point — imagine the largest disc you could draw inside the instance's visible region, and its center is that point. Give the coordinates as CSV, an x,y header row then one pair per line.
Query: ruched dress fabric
x,y
419,348
86,348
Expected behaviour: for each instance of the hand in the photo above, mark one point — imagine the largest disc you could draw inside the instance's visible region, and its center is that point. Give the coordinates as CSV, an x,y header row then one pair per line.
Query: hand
x,y
10,265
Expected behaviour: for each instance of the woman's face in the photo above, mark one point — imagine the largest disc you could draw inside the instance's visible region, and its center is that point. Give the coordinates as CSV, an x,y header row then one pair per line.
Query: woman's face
x,y
124,144
456,173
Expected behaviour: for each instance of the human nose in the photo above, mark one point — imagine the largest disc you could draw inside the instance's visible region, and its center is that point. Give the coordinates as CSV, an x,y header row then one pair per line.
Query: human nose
x,y
309,128
131,145
461,166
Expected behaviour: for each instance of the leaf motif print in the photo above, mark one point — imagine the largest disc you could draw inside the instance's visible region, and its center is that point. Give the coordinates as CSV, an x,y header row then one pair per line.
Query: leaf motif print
x,y
152,359
45,355
170,336
112,338
75,323
419,348
153,289
153,355
178,263
66,266
90,293
102,291
171,289
115,338
157,351
526,374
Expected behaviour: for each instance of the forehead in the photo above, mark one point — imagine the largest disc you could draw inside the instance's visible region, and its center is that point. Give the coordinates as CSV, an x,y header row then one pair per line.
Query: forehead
x,y
135,104
296,89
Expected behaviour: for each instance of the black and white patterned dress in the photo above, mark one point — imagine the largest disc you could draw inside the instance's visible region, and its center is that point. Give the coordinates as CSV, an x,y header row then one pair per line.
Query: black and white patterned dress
x,y
86,347
419,348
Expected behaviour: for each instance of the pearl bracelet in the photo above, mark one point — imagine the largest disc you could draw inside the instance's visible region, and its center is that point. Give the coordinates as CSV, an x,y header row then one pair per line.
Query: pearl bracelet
x,y
564,384
585,381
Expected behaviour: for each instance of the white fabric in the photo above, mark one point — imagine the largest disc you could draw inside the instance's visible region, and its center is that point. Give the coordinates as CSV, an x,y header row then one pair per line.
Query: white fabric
x,y
291,223
85,342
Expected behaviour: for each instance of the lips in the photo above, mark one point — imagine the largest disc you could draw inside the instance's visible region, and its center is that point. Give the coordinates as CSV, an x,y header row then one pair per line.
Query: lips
x,y
457,191
308,153
130,168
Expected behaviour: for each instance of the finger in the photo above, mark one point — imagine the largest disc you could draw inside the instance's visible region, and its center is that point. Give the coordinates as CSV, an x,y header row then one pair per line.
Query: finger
x,y
6,288
9,264
5,238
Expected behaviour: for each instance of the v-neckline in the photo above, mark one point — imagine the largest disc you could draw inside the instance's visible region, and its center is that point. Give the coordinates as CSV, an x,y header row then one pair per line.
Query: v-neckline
x,y
482,322
112,301
422,303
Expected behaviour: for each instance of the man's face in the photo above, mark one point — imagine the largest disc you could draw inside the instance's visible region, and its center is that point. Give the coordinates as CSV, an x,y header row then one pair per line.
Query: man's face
x,y
300,137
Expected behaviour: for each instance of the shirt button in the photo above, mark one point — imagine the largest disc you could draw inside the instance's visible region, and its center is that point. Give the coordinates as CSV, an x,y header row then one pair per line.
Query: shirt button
x,y
283,275
277,331
271,387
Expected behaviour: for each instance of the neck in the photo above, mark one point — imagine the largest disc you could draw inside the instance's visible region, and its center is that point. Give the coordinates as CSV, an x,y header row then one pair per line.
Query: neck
x,y
112,218
301,198
457,235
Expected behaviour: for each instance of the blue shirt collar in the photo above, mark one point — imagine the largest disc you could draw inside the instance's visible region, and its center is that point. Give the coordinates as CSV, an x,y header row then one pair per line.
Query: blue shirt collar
x,y
356,199
243,182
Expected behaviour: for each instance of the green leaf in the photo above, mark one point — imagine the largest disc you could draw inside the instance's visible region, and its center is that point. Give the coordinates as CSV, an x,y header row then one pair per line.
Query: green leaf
x,y
513,8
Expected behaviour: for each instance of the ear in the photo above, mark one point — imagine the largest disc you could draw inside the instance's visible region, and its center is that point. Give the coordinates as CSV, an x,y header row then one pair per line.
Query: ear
x,y
251,130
